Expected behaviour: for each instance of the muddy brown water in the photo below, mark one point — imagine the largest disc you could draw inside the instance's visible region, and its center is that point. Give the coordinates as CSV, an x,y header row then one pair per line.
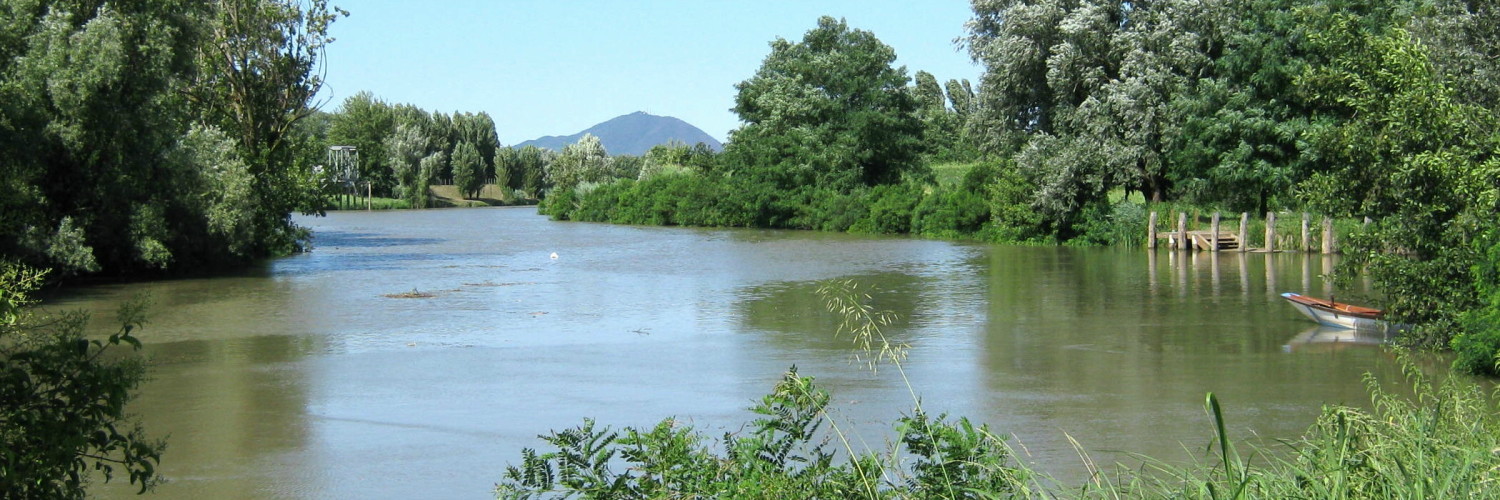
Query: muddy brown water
x,y
321,375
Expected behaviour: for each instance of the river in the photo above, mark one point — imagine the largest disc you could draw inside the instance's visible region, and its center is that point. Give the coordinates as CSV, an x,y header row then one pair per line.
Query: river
x,y
311,377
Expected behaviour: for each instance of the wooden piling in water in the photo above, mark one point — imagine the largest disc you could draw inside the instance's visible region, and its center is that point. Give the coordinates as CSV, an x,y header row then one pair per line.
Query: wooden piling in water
x,y
1182,239
1305,246
1270,231
1327,236
1213,238
1151,231
1244,231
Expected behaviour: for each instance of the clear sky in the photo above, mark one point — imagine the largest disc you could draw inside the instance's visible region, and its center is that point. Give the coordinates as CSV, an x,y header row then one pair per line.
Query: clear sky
x,y
557,67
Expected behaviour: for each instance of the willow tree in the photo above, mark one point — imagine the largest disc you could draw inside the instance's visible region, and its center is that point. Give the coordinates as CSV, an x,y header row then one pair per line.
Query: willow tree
x,y
580,162
89,115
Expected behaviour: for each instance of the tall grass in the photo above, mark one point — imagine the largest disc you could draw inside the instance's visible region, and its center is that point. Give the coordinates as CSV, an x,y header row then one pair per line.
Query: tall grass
x,y
951,174
1440,442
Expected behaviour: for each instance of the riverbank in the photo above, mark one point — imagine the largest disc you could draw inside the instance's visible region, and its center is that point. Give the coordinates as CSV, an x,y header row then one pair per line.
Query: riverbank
x,y
439,196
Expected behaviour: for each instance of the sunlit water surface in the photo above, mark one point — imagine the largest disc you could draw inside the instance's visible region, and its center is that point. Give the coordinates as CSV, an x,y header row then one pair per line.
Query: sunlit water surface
x,y
304,379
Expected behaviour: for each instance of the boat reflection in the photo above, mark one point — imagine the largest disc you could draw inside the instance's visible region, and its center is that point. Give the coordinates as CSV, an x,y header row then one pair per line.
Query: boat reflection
x,y
1325,338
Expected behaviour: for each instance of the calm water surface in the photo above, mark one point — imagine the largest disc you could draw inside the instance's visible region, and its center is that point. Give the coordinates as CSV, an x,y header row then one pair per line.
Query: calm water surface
x,y
302,379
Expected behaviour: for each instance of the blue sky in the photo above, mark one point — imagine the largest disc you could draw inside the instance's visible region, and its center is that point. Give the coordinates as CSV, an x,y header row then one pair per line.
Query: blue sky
x,y
554,68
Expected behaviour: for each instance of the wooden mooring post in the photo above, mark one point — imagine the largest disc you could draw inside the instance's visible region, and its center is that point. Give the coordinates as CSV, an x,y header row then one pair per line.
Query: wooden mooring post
x,y
1270,231
1151,231
1305,246
1327,236
1244,231
1213,238
1182,239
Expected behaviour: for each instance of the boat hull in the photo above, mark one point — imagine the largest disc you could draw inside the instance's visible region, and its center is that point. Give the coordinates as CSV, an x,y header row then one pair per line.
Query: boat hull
x,y
1331,317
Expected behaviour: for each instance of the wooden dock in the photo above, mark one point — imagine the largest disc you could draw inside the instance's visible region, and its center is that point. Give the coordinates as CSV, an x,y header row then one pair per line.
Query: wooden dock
x,y
1202,240
1218,240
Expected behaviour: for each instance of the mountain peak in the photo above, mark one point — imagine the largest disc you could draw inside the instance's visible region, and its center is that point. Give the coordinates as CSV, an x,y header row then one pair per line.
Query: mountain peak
x,y
632,134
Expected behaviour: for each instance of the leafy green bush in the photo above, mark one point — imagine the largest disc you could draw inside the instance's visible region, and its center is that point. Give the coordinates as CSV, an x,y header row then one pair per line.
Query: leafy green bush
x,y
63,397
828,209
787,453
950,213
1122,224
1478,344
891,208
1008,194
598,202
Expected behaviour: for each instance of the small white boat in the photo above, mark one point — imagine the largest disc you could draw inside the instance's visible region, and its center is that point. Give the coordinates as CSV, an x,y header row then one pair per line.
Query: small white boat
x,y
1336,314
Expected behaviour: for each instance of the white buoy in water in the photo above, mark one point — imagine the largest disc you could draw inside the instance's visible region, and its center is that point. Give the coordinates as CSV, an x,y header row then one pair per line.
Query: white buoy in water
x,y
554,255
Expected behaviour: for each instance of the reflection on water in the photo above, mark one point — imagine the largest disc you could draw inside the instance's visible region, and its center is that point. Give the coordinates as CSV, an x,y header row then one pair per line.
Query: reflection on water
x,y
1326,338
304,379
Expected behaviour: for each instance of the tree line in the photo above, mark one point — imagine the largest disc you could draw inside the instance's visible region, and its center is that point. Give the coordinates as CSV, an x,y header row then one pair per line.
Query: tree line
x,y
135,138
404,150
142,137
1088,109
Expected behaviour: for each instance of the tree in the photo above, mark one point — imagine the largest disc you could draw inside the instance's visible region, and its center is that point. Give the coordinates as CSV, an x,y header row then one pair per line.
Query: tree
x,y
479,130
942,128
580,162
627,166
364,121
828,110
530,175
1046,95
468,169
63,397
1168,48
1042,58
507,163
1402,150
404,150
89,110
256,78
418,194
443,136
960,97
927,93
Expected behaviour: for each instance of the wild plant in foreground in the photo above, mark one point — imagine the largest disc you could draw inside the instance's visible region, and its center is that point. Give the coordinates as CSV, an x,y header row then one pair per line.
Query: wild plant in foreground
x,y
1444,442
1441,442
786,452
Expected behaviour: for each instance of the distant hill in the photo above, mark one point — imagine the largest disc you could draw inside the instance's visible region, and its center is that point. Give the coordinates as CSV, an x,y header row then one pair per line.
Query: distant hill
x,y
632,134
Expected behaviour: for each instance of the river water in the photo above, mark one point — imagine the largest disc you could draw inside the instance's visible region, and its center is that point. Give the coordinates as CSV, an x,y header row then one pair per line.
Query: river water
x,y
310,376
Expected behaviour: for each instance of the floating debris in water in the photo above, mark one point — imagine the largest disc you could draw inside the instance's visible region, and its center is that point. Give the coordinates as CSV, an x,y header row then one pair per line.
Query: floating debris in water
x,y
413,294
